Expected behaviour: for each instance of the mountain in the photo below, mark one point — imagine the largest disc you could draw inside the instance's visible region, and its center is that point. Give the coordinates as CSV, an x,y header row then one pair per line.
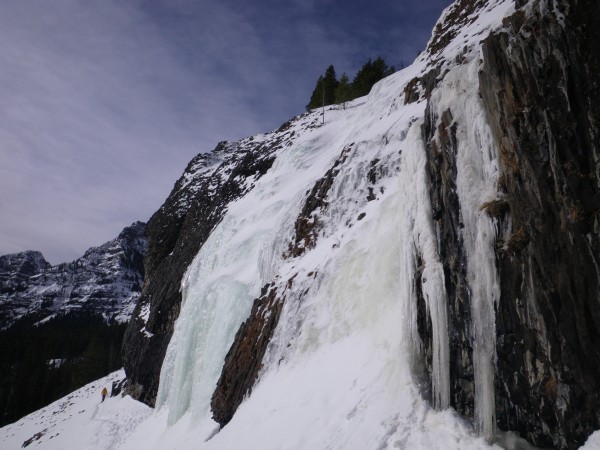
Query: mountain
x,y
106,281
442,231
421,270
16,269
62,326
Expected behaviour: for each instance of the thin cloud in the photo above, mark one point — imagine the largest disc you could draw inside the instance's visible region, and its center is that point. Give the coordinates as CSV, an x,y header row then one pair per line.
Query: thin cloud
x,y
102,104
88,129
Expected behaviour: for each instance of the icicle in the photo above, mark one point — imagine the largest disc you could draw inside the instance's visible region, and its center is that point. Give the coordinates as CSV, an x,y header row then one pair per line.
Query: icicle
x,y
483,281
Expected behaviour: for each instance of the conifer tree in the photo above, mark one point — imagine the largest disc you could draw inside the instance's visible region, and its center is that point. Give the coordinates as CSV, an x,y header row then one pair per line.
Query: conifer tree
x,y
329,90
369,74
343,92
316,99
328,82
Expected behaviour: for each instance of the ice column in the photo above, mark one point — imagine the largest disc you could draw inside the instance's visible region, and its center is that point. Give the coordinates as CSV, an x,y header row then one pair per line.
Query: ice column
x,y
485,292
477,175
417,235
215,301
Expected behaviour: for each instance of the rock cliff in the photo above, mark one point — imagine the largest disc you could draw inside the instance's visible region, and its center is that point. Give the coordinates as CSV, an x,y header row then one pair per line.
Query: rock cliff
x,y
539,85
520,320
537,82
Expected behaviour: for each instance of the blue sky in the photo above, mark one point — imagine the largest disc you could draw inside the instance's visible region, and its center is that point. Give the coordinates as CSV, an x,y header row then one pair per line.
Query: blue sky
x,y
103,103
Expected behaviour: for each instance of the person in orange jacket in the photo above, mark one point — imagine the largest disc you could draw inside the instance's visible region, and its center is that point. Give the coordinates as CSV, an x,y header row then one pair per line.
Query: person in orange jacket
x,y
104,394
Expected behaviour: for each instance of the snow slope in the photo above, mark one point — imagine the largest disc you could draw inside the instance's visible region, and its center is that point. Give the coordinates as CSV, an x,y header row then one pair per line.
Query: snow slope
x,y
78,421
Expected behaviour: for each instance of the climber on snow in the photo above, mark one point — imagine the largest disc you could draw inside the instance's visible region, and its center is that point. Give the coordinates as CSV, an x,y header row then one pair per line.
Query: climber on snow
x,y
104,394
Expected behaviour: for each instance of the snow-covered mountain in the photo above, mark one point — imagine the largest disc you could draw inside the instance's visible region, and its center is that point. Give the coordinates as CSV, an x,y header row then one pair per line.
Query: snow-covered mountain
x,y
420,271
16,269
106,281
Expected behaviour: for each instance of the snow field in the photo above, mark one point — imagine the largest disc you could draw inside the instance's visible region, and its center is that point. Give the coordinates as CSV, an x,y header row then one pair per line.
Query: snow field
x,y
78,421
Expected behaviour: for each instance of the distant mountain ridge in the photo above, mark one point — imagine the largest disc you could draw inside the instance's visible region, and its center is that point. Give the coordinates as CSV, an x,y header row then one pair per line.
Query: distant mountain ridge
x,y
106,281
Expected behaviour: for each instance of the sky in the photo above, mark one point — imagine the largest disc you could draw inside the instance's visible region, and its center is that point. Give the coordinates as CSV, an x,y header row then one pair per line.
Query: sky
x,y
103,103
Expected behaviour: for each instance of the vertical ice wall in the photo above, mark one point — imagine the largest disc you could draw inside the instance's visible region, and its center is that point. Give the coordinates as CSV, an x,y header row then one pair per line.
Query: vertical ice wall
x,y
477,175
419,243
216,297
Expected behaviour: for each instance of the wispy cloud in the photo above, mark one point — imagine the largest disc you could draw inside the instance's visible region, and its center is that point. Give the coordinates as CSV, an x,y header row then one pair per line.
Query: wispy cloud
x,y
102,104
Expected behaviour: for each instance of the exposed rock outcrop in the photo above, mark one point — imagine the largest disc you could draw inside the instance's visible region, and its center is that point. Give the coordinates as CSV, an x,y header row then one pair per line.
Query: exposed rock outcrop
x,y
244,359
307,224
16,270
539,85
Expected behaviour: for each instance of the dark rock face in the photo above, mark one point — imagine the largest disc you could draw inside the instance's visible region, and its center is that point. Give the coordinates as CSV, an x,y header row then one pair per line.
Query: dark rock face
x,y
461,14
307,224
421,86
538,84
540,89
18,268
176,233
106,281
244,359
439,135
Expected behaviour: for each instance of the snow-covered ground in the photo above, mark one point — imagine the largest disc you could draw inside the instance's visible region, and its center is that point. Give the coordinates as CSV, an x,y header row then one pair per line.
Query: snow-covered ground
x,y
78,421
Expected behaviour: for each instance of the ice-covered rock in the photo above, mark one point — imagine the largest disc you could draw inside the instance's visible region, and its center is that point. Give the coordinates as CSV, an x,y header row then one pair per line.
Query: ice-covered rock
x,y
437,239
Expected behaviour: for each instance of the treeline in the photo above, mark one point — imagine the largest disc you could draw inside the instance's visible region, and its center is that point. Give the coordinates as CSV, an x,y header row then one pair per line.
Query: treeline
x,y
330,91
41,364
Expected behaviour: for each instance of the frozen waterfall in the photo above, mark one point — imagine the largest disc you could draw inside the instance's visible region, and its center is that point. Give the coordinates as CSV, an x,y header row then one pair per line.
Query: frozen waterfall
x,y
346,344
